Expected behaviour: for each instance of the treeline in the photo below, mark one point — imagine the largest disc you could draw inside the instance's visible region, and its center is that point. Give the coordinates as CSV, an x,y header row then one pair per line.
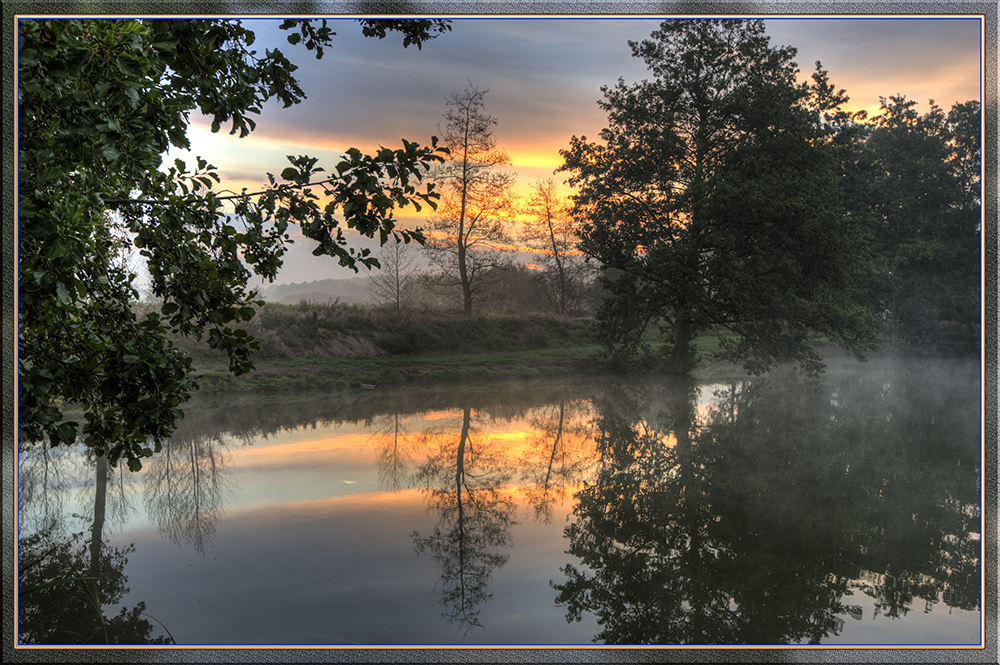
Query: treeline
x,y
732,197
911,182
723,197
915,180
508,285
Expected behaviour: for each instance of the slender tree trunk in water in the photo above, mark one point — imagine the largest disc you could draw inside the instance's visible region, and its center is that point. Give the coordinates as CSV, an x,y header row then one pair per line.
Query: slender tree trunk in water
x,y
100,501
459,483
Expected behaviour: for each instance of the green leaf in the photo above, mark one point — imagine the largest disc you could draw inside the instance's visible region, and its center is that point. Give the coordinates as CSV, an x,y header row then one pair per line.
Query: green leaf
x,y
110,153
63,293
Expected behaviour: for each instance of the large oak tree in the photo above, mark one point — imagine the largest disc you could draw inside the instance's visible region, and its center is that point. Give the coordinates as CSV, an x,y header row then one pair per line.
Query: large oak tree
x,y
714,195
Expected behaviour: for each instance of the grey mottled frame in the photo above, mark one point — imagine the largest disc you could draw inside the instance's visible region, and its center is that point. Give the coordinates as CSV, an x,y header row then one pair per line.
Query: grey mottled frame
x,y
990,605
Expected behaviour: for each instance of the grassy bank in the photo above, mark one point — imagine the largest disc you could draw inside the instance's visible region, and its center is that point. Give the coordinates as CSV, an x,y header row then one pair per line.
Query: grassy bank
x,y
336,347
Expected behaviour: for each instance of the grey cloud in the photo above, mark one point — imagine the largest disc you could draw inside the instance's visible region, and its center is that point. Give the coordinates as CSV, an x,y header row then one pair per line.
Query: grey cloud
x,y
546,68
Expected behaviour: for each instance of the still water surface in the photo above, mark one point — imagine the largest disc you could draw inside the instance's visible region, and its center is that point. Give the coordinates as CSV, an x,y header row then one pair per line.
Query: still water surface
x,y
772,511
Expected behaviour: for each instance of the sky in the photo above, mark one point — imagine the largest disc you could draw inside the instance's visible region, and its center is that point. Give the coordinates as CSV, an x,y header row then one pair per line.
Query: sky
x,y
544,77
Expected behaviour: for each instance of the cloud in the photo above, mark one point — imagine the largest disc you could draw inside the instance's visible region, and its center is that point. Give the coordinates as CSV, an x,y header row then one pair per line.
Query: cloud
x,y
545,77
921,58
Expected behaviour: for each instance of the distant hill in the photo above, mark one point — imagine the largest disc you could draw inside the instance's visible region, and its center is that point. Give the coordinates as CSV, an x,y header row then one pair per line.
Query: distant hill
x,y
349,291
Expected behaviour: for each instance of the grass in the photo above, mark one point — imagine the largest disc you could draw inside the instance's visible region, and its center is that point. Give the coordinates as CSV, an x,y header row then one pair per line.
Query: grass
x,y
336,347
333,373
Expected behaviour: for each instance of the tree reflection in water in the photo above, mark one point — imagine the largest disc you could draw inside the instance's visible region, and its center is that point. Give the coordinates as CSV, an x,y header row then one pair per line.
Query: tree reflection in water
x,y
756,522
185,489
64,584
559,454
465,480
392,451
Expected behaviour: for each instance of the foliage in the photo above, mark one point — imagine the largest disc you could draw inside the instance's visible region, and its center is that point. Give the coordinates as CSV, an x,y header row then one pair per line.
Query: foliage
x,y
713,192
471,223
99,102
59,603
922,195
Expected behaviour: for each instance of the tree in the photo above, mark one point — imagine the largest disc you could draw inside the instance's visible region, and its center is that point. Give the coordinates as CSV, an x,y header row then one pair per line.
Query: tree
x,y
550,230
923,196
397,274
99,102
714,192
472,219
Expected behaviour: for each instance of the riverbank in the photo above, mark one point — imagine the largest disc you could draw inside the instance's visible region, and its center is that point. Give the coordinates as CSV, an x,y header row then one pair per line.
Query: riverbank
x,y
340,347
361,372
336,347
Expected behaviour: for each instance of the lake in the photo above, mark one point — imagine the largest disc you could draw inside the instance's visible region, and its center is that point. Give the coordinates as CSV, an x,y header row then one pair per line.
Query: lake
x,y
843,511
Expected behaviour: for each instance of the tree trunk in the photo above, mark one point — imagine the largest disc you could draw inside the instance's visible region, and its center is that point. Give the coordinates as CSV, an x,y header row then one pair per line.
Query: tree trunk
x,y
681,360
559,266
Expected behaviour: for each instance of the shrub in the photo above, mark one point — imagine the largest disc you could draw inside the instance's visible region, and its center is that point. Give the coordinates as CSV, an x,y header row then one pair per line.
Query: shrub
x,y
536,337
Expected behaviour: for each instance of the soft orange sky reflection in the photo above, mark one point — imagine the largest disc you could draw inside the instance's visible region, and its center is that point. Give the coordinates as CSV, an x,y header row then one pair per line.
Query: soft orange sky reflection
x,y
281,450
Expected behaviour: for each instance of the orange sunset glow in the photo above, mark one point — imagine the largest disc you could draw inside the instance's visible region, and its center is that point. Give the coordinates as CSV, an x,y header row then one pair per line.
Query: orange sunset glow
x,y
544,77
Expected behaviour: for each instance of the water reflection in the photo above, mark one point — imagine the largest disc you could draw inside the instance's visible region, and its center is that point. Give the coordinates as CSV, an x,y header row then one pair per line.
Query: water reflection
x,y
392,451
558,457
62,598
764,519
185,489
757,512
465,478
65,583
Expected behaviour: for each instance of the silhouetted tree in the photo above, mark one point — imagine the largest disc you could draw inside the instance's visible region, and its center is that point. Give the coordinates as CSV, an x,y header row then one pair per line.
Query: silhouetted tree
x,y
923,178
714,192
397,273
549,228
472,219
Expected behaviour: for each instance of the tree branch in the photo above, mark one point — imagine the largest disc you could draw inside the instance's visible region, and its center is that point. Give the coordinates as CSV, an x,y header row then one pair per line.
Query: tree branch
x,y
115,202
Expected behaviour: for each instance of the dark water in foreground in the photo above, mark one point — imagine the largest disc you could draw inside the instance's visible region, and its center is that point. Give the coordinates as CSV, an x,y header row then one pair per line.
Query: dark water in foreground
x,y
776,511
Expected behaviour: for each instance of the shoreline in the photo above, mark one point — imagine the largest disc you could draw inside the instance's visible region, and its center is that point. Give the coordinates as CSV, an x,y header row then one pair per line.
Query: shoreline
x,y
349,374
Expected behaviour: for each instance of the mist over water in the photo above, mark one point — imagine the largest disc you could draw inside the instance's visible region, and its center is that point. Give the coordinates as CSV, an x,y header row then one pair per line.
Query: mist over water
x,y
759,511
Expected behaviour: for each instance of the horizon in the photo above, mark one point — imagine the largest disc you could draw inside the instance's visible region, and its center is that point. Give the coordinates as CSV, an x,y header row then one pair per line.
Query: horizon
x,y
402,92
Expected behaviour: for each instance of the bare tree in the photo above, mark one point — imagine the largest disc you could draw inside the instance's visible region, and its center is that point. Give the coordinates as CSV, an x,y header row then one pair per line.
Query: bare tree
x,y
388,285
472,219
548,228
